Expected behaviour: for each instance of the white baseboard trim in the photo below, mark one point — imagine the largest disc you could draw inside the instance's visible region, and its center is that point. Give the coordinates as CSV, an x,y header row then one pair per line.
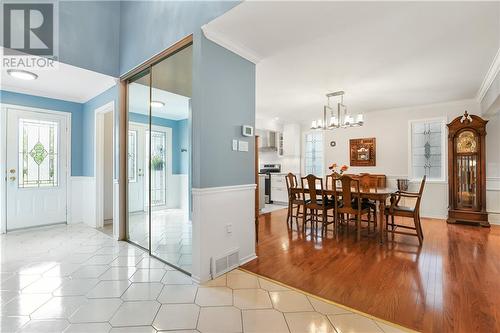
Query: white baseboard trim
x,y
248,259
494,218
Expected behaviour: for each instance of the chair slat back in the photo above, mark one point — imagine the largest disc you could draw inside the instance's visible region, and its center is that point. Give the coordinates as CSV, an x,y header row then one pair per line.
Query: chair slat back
x,y
348,184
291,182
310,186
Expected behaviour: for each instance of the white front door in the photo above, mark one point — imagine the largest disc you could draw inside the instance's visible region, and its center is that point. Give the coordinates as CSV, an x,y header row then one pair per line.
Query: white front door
x,y
36,167
136,168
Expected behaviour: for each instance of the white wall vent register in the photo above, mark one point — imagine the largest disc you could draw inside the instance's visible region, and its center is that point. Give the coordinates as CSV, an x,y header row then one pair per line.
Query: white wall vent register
x,y
225,263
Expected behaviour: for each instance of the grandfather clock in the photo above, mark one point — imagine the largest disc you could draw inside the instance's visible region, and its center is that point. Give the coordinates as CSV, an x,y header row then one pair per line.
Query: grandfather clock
x,y
467,170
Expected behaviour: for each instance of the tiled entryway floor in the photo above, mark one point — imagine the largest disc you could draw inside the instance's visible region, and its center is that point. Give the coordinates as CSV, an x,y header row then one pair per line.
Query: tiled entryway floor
x,y
77,279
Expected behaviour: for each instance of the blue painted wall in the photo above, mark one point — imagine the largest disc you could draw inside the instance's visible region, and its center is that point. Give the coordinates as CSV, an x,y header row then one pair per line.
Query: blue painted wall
x,y
148,27
76,110
89,35
88,124
180,160
223,101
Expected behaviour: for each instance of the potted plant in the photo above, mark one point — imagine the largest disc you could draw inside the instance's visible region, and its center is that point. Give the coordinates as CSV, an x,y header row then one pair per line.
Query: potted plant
x,y
157,163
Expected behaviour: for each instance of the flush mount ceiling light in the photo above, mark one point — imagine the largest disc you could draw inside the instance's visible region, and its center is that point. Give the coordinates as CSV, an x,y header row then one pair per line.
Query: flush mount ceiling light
x,y
22,74
341,120
157,104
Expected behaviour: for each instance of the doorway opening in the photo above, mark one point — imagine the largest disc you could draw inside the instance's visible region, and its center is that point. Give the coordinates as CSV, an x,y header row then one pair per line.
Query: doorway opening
x,y
104,170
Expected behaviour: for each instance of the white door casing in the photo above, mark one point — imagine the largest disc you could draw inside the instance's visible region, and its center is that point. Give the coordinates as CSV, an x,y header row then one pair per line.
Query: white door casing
x,y
37,165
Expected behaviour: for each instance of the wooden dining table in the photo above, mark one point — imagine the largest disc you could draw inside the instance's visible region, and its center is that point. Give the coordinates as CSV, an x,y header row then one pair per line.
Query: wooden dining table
x,y
379,195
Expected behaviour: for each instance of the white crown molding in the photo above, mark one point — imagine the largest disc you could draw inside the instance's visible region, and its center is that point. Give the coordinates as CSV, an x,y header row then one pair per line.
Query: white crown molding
x,y
492,73
219,38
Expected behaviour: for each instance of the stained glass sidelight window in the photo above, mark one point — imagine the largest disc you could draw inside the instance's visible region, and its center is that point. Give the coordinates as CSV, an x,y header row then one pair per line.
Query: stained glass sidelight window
x,y
38,153
132,156
158,167
427,149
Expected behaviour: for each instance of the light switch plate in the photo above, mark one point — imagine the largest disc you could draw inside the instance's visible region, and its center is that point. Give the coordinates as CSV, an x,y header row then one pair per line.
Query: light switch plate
x,y
235,145
243,146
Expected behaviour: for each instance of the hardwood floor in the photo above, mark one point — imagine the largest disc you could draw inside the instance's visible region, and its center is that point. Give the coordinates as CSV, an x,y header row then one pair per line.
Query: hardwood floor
x,y
450,284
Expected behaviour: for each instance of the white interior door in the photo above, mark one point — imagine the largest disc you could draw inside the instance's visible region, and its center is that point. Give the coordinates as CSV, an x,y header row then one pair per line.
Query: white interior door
x,y
37,166
136,167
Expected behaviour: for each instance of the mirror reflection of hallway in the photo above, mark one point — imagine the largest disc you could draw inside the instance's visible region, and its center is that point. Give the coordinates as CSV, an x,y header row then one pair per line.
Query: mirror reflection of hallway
x,y
158,159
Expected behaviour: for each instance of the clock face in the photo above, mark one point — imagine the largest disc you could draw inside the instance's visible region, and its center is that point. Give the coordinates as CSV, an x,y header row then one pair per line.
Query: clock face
x,y
467,142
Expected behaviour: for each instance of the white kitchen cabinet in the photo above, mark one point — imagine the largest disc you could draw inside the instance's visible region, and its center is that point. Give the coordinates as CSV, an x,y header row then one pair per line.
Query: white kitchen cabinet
x,y
279,192
291,140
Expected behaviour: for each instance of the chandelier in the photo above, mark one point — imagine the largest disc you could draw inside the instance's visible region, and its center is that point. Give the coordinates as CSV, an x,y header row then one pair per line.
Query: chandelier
x,y
342,119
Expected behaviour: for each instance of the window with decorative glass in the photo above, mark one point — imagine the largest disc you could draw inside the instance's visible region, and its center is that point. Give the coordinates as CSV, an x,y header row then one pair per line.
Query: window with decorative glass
x,y
427,149
132,156
313,154
38,153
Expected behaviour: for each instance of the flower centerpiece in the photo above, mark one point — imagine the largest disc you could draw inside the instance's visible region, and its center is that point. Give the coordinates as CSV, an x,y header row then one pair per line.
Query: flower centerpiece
x,y
334,167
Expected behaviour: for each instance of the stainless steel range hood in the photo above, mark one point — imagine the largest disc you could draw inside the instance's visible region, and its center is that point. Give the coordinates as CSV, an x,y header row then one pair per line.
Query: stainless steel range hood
x,y
268,140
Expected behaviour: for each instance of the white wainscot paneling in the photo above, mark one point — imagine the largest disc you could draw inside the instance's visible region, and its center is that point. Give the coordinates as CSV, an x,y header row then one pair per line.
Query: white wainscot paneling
x,y
82,204
213,210
493,199
178,191
434,200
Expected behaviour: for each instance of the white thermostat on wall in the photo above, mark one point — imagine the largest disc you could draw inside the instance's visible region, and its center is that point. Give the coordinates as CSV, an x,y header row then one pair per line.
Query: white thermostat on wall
x,y
247,130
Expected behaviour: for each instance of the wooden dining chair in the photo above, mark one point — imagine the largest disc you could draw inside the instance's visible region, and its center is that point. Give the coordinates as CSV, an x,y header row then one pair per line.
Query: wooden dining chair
x,y
316,203
368,182
411,212
295,201
351,204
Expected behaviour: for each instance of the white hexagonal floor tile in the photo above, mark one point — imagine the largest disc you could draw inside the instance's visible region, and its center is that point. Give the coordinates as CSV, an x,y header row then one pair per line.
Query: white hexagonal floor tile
x,y
142,291
290,301
176,277
178,294
240,280
106,289
271,286
214,296
118,273
309,322
225,319
24,304
96,310
89,272
139,313
264,321
88,328
12,324
354,323
326,308
176,317
59,307
251,299
148,275
44,326
137,329
75,287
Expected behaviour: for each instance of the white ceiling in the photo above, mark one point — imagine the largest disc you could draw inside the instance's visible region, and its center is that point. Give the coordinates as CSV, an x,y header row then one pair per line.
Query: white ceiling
x,y
383,54
64,82
176,106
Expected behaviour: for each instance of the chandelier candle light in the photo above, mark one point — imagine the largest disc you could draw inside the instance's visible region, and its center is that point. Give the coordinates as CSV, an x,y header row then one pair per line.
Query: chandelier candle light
x,y
341,120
